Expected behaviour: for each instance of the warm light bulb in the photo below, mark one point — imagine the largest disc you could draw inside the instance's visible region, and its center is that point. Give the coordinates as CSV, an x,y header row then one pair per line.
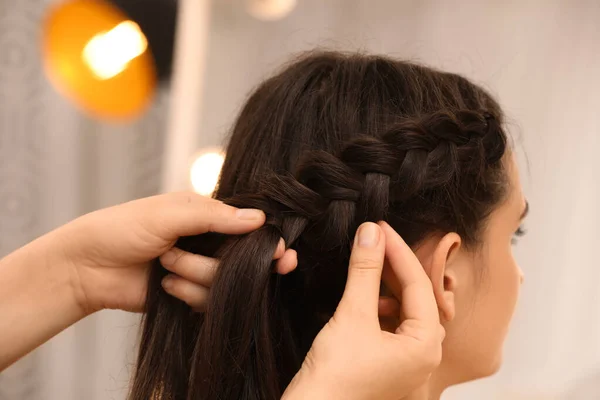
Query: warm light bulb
x,y
270,10
108,53
205,171
96,56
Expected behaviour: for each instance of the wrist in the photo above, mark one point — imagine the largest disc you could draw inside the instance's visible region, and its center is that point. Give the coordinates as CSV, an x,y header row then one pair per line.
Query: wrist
x,y
60,254
62,273
36,298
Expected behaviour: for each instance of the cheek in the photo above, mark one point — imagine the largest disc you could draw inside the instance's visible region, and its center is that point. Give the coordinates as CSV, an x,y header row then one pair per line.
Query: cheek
x,y
500,292
498,299
488,317
508,283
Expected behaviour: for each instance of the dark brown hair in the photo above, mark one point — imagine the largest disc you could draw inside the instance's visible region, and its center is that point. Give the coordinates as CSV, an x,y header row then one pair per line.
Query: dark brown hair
x,y
330,142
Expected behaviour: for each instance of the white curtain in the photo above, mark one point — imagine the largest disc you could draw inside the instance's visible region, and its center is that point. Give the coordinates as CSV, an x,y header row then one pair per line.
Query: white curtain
x,y
56,164
541,58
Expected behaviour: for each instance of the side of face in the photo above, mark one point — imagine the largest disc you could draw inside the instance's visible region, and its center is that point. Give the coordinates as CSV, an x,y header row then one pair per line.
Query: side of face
x,y
476,291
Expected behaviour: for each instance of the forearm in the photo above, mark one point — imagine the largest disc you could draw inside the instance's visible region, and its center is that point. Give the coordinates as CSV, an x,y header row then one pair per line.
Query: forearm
x,y
37,300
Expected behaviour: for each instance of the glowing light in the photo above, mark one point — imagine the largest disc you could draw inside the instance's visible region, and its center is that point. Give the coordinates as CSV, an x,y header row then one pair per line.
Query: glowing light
x,y
204,173
99,59
270,10
109,53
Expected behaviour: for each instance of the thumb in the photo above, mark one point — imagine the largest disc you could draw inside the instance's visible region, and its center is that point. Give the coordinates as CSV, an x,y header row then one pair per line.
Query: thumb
x,y
364,272
187,214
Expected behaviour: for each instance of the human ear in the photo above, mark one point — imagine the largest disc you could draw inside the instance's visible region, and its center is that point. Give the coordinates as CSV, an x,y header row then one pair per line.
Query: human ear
x,y
443,274
439,258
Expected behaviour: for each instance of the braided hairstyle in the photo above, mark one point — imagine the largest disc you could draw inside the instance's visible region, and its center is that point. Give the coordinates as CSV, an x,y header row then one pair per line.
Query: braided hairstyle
x,y
332,141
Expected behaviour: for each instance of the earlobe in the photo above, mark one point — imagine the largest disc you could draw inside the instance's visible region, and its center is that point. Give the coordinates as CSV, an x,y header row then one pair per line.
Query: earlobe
x,y
442,274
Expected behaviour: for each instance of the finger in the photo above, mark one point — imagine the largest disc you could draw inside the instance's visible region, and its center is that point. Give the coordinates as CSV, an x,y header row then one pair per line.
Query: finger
x,y
287,263
280,250
388,307
409,282
193,267
194,295
364,272
187,214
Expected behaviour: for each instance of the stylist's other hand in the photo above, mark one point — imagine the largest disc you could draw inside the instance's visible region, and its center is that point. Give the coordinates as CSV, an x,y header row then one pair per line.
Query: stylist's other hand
x,y
352,358
109,251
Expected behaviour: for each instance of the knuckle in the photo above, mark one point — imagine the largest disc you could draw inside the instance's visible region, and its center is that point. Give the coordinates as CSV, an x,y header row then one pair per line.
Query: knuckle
x,y
309,361
202,268
200,261
432,353
176,264
185,293
365,263
215,205
206,207
179,255
214,211
433,358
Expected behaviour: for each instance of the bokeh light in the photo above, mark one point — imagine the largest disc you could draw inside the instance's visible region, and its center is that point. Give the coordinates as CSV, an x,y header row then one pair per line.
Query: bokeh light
x,y
270,10
205,170
99,59
107,54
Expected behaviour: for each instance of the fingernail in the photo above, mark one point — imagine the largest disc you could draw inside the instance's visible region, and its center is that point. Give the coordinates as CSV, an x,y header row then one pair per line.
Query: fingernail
x,y
250,214
168,258
167,283
368,235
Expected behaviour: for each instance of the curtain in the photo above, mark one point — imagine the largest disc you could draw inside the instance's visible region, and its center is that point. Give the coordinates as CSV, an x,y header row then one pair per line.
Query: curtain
x,y
57,164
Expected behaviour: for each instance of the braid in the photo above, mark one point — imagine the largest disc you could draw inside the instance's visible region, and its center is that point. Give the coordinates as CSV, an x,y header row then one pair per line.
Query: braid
x,y
332,195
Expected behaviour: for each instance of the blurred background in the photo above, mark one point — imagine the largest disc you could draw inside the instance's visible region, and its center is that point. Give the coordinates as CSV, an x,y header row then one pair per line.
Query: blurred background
x,y
64,153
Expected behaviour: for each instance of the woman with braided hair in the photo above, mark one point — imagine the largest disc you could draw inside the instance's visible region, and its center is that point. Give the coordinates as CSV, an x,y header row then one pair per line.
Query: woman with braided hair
x,y
332,141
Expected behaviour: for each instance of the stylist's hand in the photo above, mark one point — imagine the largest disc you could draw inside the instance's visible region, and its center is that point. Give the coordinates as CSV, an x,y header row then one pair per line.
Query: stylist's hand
x,y
109,251
352,358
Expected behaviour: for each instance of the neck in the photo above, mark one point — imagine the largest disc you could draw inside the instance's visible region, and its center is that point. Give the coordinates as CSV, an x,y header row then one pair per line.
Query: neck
x,y
421,393
428,391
